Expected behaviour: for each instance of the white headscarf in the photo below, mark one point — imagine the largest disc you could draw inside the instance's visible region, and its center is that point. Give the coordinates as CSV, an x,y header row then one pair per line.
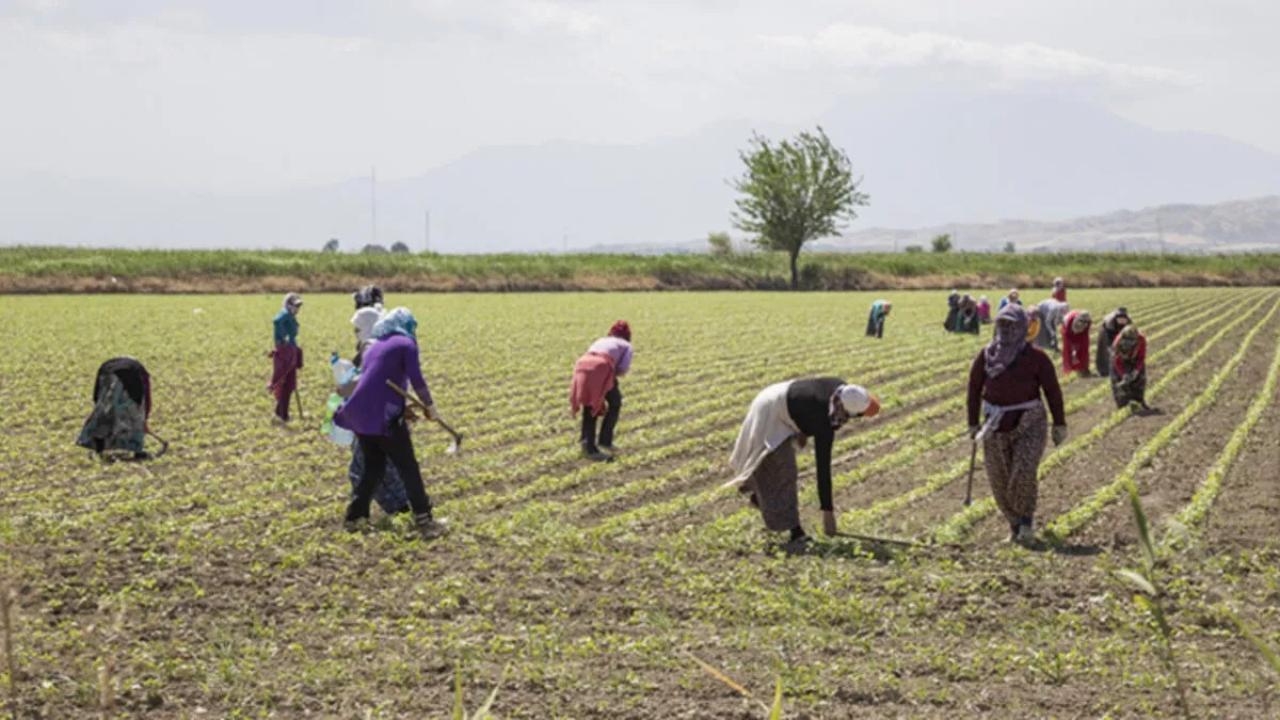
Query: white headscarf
x,y
854,398
364,320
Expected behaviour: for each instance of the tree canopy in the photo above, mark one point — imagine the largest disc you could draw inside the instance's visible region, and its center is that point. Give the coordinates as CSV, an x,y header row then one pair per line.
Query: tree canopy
x,y
795,191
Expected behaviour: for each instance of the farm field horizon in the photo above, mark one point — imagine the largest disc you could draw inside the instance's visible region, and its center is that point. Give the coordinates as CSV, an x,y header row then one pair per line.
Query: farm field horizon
x,y
217,581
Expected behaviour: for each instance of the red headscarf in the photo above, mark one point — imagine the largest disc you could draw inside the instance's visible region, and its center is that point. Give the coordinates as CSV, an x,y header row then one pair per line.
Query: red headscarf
x,y
621,329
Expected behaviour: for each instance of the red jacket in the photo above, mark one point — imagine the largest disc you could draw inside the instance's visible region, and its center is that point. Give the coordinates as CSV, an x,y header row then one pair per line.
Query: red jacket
x,y
1121,366
593,378
1075,346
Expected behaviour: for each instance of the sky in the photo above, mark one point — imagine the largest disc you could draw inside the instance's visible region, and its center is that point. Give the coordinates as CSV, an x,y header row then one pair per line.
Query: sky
x,y
245,95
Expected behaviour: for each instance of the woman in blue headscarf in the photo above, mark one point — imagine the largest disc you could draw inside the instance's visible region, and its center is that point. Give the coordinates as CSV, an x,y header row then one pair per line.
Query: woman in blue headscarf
x,y
378,417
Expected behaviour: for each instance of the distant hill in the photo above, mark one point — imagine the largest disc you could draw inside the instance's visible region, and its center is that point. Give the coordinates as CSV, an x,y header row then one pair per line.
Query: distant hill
x,y
927,160
1236,226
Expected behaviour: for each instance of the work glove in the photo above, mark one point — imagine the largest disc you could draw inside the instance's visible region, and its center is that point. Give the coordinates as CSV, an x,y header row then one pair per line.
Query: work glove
x,y
973,431
829,522
433,413
1059,434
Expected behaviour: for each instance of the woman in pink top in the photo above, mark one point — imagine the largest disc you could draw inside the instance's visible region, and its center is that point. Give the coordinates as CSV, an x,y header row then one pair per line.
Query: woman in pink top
x,y
594,389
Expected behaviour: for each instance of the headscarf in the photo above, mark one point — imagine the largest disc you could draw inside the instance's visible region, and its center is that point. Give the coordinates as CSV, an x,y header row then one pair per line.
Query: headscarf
x,y
1127,341
880,308
1082,322
1014,297
368,296
364,321
621,329
1111,321
855,400
1010,338
292,301
1058,282
397,322
1033,322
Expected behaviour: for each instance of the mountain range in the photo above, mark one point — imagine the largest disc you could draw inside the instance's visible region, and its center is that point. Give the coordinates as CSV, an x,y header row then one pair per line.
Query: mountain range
x,y
928,161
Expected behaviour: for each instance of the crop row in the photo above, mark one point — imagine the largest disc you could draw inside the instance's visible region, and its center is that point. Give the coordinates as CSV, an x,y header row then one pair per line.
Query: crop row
x,y
863,441
1077,517
1197,509
864,517
957,527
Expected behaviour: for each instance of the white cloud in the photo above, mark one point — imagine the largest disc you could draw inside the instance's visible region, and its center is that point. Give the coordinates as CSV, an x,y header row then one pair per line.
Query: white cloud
x,y
848,46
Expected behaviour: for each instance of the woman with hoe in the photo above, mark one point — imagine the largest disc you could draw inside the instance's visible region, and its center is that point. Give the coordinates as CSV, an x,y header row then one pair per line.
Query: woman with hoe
x,y
782,417
377,415
1006,381
286,357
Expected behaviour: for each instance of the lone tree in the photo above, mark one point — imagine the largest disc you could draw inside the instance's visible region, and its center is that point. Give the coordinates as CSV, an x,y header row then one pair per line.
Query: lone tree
x,y
720,242
941,244
331,246
399,247
795,191
372,249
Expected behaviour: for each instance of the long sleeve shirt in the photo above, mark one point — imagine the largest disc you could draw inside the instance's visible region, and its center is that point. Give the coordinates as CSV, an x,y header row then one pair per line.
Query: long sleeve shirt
x,y
1032,372
373,406
1122,366
809,405
617,349
286,328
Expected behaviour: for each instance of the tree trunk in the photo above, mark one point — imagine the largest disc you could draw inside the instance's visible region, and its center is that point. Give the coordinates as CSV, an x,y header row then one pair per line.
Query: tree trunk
x,y
795,274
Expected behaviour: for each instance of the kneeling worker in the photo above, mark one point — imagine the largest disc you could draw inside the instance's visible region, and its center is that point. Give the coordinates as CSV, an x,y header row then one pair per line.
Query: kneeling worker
x,y
764,455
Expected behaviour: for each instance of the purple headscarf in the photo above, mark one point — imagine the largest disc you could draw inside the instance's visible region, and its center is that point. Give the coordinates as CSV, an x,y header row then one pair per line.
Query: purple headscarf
x,y
1010,339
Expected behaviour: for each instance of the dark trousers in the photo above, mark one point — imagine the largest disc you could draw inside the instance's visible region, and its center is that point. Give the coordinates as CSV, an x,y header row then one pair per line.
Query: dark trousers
x,y
282,405
378,449
614,400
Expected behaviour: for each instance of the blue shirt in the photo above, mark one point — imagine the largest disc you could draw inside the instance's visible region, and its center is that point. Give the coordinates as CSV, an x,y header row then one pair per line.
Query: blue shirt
x,y
286,328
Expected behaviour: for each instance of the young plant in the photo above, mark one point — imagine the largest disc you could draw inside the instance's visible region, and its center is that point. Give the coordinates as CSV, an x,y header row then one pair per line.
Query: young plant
x,y
1149,597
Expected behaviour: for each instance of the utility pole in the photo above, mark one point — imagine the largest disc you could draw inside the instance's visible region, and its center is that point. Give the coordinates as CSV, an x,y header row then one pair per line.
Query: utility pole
x,y
373,204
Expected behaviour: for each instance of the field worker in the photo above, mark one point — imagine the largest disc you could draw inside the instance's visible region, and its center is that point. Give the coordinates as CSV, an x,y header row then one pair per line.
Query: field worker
x,y
1059,290
1075,342
594,390
1129,369
390,494
1112,323
875,321
1005,384
967,320
378,417
783,416
984,310
1051,314
1013,297
953,312
368,312
121,409
1033,323
287,356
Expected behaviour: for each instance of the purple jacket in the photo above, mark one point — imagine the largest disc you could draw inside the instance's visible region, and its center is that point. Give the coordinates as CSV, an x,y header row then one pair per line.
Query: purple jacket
x,y
373,406
616,348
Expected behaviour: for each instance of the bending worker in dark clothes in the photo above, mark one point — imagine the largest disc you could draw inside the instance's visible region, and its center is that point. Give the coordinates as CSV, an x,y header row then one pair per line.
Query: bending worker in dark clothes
x,y
764,455
1005,382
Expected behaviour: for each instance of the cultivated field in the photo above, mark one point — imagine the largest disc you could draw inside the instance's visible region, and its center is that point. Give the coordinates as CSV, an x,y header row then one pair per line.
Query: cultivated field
x,y
216,581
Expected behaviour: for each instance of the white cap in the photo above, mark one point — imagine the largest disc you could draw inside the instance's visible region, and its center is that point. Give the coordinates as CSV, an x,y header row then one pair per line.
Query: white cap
x,y
854,398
